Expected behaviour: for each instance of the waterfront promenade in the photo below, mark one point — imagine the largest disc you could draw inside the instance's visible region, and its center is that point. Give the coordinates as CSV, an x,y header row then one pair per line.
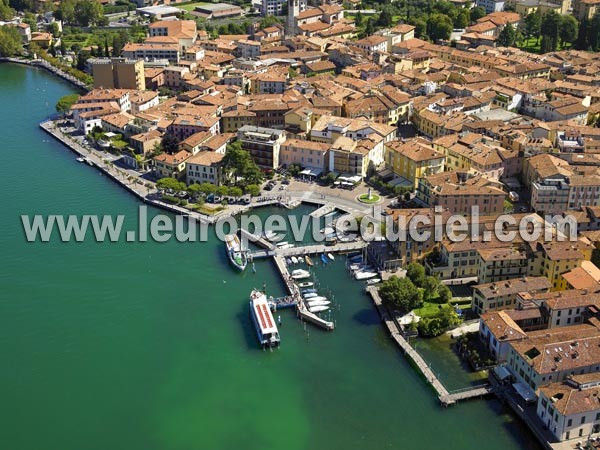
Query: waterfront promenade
x,y
446,397
49,67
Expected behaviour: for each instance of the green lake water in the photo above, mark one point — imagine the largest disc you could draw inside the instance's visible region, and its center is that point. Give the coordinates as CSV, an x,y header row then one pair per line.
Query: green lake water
x,y
149,346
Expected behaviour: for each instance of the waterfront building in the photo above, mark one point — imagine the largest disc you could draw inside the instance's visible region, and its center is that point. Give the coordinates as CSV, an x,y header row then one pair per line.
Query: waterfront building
x,y
172,166
306,154
204,167
497,296
263,144
413,159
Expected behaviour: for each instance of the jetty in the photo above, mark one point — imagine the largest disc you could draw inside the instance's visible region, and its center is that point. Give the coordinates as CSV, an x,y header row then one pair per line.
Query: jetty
x,y
259,240
294,291
445,397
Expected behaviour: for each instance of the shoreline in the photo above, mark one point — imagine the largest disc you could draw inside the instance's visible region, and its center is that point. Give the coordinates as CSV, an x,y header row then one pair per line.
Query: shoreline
x,y
48,67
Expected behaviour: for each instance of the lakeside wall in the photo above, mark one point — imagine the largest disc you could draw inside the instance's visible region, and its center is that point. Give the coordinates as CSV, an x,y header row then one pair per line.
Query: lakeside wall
x,y
50,68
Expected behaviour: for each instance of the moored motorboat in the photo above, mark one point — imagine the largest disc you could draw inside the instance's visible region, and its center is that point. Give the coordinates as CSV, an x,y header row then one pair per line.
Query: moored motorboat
x,y
294,260
300,274
317,298
263,320
318,308
308,260
330,256
324,259
308,291
300,259
310,295
237,256
373,281
364,275
306,284
312,303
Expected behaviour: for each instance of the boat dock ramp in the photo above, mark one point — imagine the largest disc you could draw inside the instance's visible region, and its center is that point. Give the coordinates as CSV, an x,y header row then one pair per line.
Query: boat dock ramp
x,y
446,397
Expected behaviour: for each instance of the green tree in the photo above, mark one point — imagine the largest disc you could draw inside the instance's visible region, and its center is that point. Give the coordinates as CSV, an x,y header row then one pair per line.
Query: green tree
x,y
462,18
30,19
549,30
66,11
208,188
235,191
6,12
400,293
119,41
439,27
238,163
385,18
253,190
222,190
445,293
594,32
358,19
477,13
582,42
63,105
370,27
10,41
430,287
88,12
420,27
169,143
569,29
170,183
507,36
533,22
416,273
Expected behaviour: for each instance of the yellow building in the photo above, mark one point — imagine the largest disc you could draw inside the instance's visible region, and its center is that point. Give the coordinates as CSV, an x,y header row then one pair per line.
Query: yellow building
x,y
525,7
118,73
552,259
413,159
173,166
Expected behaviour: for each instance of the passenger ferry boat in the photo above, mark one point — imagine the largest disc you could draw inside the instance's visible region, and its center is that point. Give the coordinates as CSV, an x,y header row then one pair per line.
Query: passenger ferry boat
x,y
235,253
263,320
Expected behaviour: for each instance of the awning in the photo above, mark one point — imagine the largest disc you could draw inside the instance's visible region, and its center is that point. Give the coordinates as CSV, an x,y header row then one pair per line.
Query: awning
x,y
523,390
311,172
502,372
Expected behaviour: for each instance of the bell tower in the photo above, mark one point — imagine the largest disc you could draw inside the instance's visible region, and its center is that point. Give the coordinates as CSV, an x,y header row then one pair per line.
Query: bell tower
x,y
293,11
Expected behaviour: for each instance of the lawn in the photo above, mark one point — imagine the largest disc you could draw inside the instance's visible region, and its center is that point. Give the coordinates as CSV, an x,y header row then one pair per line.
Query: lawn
x,y
190,6
365,198
430,309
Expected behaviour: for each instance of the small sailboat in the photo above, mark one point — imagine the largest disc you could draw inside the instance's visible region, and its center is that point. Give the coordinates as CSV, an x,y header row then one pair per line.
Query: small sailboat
x,y
300,259
294,260
306,284
318,308
330,256
324,259
308,260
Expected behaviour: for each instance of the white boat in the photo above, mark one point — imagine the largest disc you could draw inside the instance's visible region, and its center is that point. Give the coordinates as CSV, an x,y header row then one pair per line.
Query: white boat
x,y
327,230
312,303
317,298
364,275
309,291
270,235
294,260
330,256
300,259
283,244
300,274
310,295
373,281
306,284
318,308
80,160
354,266
263,320
235,253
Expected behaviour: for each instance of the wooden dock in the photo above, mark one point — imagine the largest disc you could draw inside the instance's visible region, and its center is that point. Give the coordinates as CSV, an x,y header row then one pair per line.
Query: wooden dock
x,y
446,398
259,240
321,248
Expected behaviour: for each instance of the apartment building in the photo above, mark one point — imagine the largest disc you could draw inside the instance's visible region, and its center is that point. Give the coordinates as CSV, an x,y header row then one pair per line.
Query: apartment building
x,y
204,167
413,159
118,73
497,296
499,264
264,145
171,166
306,154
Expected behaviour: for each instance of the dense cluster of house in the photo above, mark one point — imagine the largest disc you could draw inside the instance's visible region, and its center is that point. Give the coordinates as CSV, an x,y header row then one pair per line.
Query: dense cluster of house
x,y
485,121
